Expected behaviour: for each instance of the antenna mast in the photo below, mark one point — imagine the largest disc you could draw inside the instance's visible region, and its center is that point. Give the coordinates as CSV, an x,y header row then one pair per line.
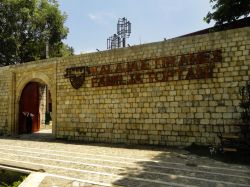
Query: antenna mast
x,y
123,32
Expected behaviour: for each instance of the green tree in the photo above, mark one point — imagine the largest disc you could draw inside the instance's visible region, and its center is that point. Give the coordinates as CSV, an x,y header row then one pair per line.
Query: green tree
x,y
66,50
25,28
226,11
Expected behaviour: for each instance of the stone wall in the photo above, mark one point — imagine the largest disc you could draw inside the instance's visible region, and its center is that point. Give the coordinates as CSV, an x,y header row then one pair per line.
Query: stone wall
x,y
42,103
174,92
5,91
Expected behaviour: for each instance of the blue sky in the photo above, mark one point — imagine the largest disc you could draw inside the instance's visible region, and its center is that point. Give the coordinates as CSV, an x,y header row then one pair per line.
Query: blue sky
x,y
91,22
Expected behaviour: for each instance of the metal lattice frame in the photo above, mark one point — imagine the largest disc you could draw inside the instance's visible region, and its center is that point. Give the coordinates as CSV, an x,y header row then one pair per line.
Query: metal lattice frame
x,y
123,32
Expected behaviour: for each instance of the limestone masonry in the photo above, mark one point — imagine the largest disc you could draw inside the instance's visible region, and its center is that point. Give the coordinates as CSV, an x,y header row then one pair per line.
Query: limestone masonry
x,y
176,92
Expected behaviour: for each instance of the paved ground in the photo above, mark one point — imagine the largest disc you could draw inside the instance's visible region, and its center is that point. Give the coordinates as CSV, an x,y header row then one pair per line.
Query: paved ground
x,y
75,164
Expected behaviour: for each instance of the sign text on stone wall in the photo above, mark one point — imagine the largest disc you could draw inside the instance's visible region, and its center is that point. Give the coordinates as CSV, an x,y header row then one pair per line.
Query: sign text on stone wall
x,y
183,67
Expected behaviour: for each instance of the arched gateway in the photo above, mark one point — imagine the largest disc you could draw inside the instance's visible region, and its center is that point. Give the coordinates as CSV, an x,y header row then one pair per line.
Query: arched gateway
x,y
31,94
175,92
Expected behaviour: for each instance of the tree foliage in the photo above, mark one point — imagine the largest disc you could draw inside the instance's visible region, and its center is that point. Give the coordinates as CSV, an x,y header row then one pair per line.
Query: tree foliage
x,y
26,26
226,11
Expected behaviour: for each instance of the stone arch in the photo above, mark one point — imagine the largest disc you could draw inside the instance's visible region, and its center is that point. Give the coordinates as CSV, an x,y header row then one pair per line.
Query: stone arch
x,y
40,78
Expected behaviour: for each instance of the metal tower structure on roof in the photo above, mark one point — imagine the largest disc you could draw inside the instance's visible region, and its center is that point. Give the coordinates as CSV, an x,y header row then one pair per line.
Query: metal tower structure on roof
x,y
123,31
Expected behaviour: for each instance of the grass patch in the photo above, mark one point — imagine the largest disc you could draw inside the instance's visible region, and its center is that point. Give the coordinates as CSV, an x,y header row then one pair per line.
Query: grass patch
x,y
15,183
11,178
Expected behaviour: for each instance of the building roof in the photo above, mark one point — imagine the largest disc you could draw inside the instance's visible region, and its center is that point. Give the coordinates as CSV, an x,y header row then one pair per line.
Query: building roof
x,y
245,22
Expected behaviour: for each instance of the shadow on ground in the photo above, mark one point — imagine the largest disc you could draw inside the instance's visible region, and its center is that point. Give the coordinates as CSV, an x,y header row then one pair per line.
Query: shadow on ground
x,y
171,167
241,157
49,138
178,167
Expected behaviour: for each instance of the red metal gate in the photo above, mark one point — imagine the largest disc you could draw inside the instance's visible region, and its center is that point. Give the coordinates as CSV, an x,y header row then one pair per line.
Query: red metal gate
x,y
29,102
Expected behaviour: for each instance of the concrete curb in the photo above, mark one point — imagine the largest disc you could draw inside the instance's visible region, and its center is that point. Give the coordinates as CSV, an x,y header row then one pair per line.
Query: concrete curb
x,y
34,179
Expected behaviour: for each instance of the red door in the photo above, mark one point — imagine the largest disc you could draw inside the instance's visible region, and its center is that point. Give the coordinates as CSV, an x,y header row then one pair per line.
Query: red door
x,y
29,102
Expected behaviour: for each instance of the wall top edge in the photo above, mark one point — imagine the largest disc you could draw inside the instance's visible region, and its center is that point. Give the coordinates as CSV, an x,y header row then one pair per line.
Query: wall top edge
x,y
53,61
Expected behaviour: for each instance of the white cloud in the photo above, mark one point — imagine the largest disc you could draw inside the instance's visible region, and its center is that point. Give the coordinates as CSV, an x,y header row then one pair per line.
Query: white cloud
x,y
101,17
